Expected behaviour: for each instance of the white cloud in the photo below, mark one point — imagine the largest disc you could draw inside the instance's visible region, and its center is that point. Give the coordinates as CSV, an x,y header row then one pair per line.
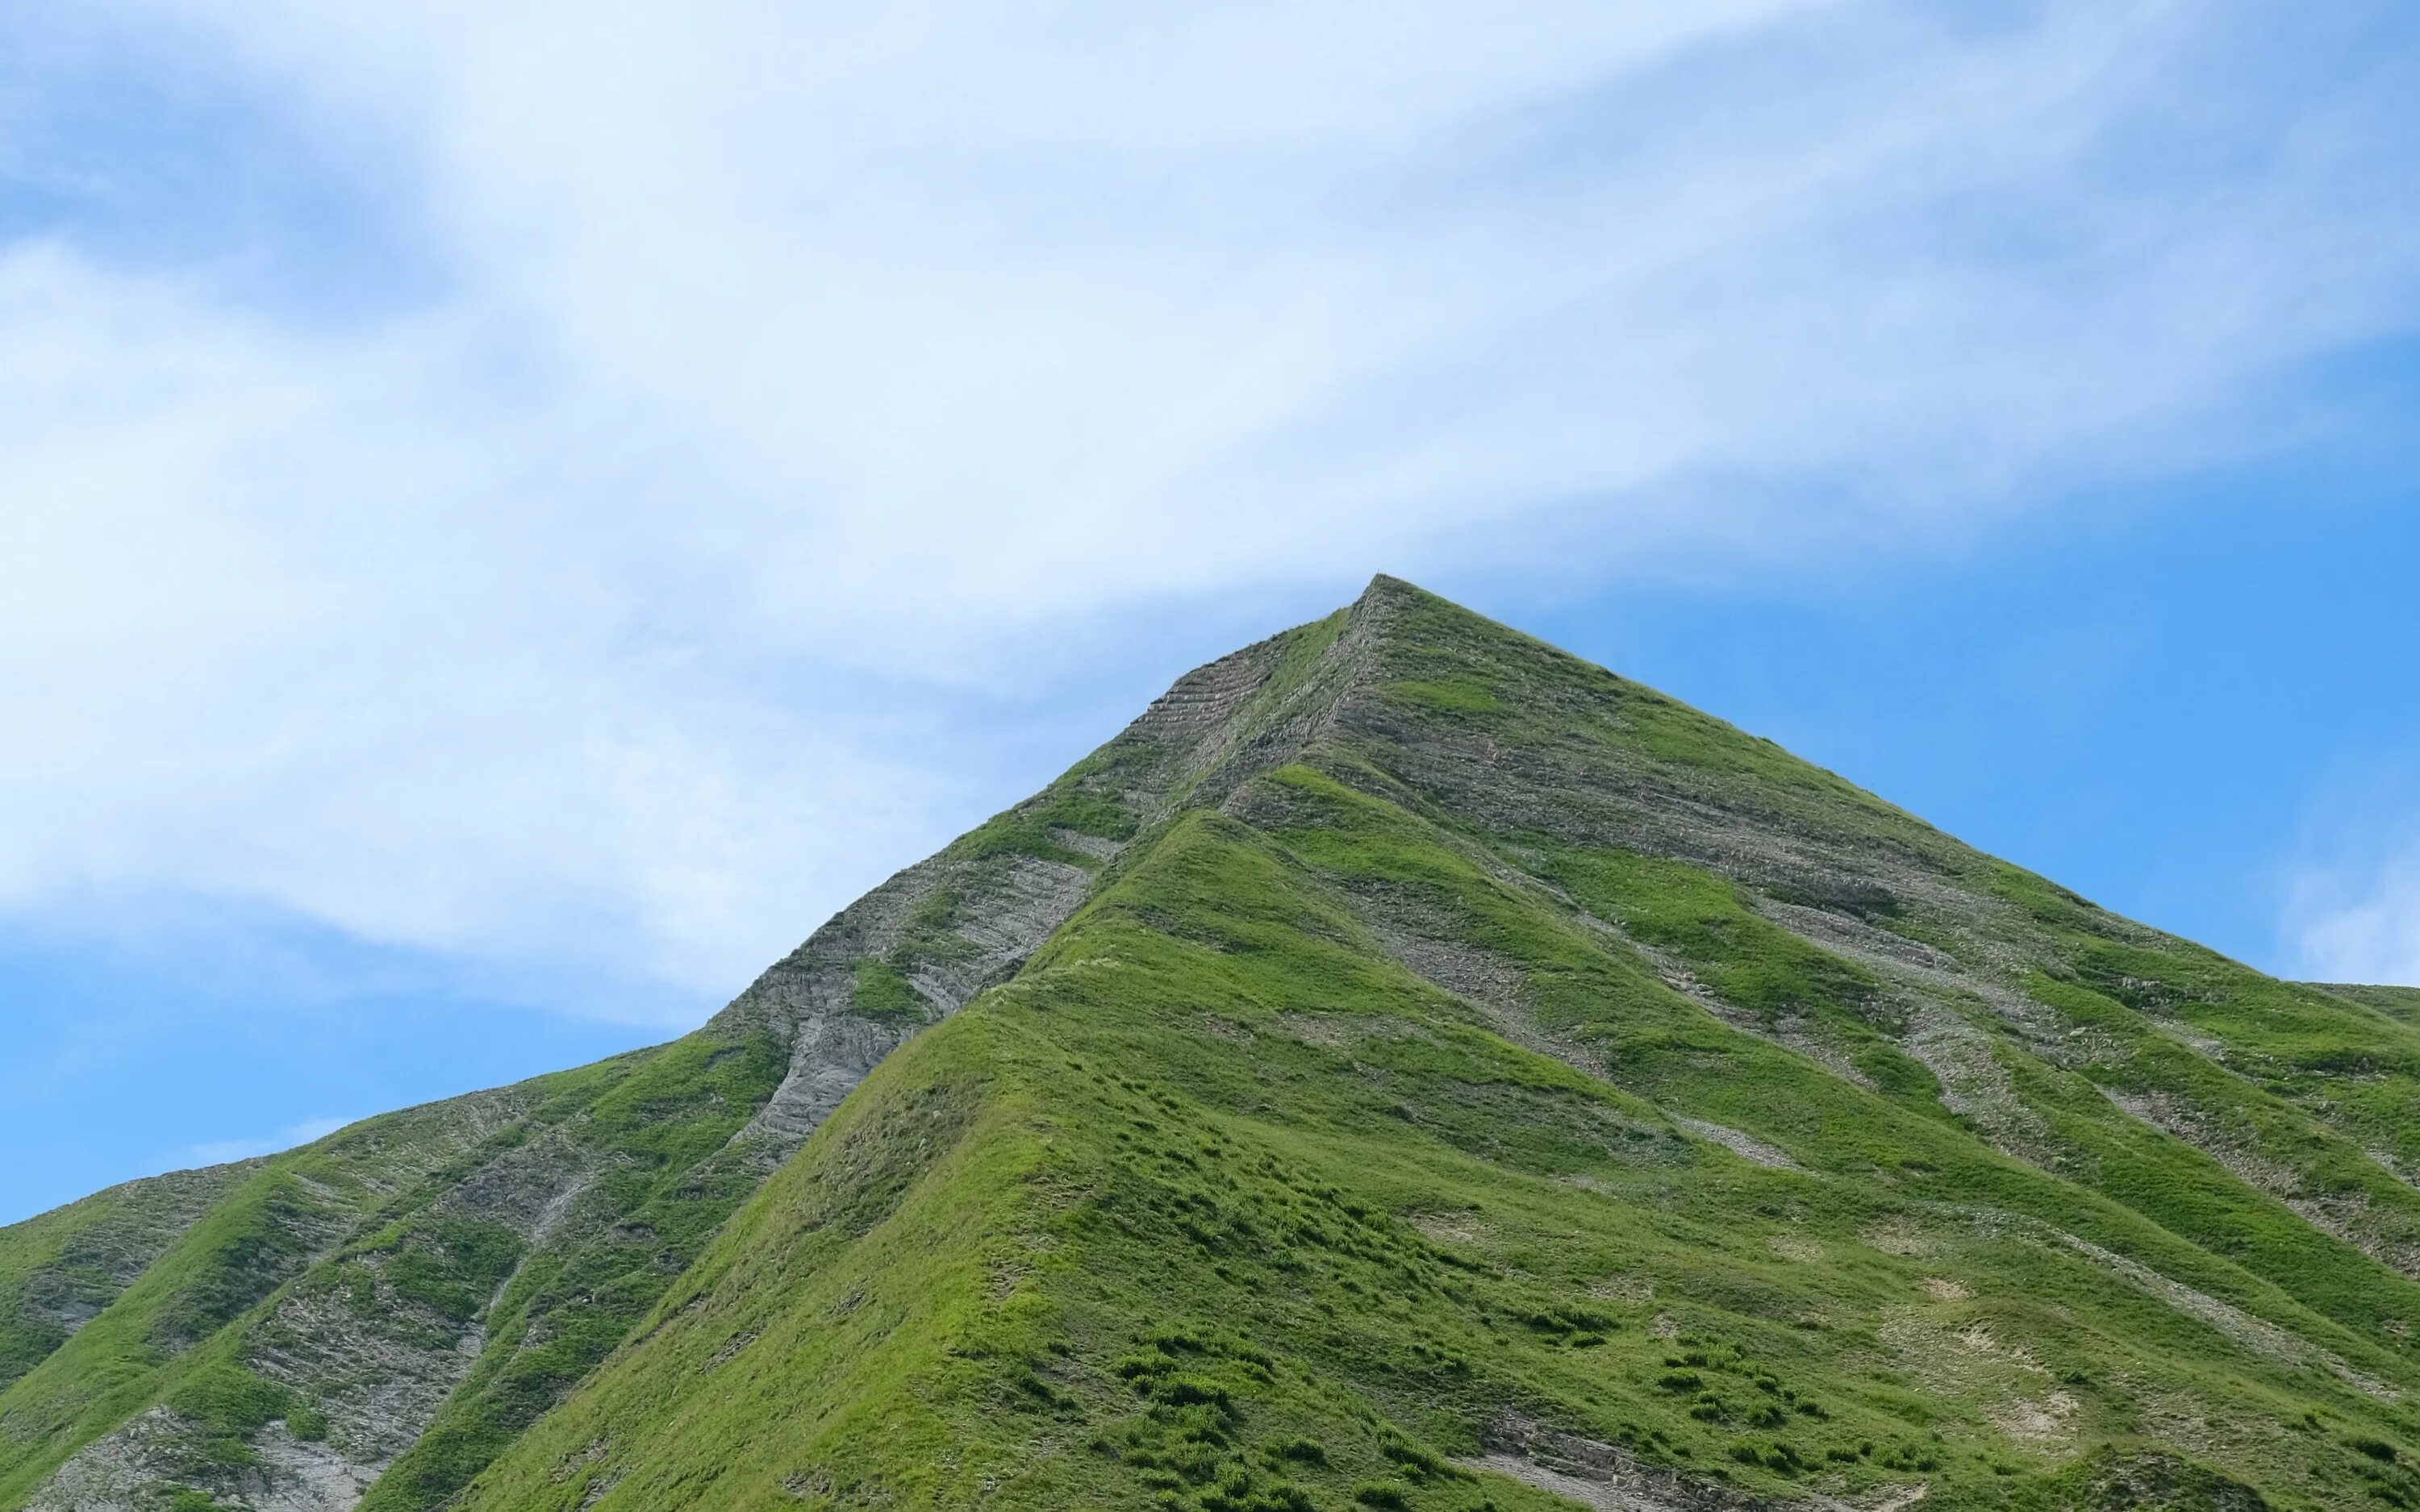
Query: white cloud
x,y
287,622
2371,932
792,370
2353,900
220,1151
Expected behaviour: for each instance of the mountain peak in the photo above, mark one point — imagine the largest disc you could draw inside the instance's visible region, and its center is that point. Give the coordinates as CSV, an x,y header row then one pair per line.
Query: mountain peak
x,y
1408,1067
1388,599
1385,586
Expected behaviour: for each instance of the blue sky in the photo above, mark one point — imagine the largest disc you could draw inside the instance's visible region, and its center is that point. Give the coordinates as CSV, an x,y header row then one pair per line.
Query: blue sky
x,y
513,513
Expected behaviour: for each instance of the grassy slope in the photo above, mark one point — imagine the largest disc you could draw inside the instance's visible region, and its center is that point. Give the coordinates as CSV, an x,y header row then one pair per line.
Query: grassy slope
x,y
570,1303
60,1269
1219,1205
254,1238
1227,1201
2401,1002
306,1287
357,1218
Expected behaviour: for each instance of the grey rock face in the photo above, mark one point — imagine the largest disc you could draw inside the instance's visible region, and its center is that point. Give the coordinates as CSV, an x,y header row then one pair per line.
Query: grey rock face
x,y
1600,1476
117,1473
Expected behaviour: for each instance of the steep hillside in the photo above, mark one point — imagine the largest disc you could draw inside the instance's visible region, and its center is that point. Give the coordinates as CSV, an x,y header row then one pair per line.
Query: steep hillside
x,y
390,1306
1408,1069
2402,1002
58,1271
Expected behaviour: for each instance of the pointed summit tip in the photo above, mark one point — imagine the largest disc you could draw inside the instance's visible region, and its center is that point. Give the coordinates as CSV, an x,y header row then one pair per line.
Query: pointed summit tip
x,y
1387,589
1385,585
1388,596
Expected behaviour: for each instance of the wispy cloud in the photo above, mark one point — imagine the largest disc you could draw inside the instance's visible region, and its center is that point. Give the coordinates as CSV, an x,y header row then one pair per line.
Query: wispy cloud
x,y
727,396
220,1151
2364,929
2353,901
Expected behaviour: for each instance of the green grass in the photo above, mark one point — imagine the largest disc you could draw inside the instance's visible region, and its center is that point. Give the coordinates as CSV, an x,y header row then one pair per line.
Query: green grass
x,y
1126,1235
1378,1110
565,1306
2401,1003
881,993
356,1207
65,1266
1017,833
203,1289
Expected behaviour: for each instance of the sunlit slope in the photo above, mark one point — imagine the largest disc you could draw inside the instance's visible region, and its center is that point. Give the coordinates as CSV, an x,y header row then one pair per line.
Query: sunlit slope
x,y
2401,1002
392,1305
1537,1085
1410,1068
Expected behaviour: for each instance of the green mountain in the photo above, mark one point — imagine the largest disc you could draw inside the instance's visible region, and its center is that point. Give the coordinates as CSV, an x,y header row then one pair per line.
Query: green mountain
x,y
1407,1069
